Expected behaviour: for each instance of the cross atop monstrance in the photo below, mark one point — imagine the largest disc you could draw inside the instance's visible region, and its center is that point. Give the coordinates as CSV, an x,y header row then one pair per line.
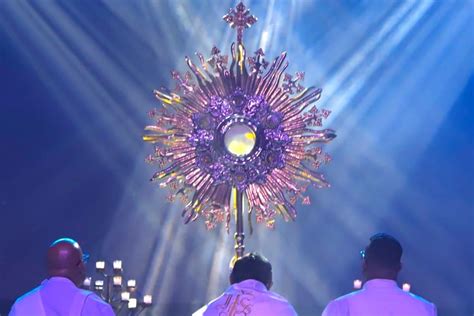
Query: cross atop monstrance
x,y
241,19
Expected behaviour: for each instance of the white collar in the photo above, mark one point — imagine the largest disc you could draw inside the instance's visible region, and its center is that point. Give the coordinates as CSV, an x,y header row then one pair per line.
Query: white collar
x,y
58,279
250,284
380,283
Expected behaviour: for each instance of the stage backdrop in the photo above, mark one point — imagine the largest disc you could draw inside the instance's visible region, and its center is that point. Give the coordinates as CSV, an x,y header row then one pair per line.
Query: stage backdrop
x,y
76,82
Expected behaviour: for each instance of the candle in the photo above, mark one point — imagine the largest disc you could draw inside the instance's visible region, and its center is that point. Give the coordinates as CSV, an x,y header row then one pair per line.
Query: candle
x,y
117,265
117,280
357,284
100,265
125,296
406,287
132,303
87,282
147,299
131,283
99,284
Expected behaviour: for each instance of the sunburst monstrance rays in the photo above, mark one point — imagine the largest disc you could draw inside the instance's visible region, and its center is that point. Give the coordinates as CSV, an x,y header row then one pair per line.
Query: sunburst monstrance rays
x,y
247,126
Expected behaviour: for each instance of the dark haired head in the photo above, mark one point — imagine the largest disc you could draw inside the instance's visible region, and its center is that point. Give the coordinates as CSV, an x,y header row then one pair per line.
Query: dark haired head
x,y
382,257
252,266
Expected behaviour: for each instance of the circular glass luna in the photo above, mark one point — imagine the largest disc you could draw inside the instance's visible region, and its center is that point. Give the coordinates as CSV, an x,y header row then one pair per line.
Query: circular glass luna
x,y
239,139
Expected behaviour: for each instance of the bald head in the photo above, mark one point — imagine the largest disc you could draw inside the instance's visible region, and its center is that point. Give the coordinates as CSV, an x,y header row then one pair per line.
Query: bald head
x,y
65,260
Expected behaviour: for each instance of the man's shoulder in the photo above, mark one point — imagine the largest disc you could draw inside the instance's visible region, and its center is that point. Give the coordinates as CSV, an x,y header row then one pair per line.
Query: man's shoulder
x,y
350,296
31,295
94,304
271,302
86,293
419,300
277,298
25,303
210,305
93,298
410,298
200,312
341,303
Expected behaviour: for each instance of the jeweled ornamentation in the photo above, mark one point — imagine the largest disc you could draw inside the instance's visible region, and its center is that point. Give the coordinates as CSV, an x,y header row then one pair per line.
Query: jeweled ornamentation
x,y
247,125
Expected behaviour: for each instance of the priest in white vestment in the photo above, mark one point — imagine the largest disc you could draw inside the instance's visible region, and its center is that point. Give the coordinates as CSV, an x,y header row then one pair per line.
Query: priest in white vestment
x,y
59,295
380,295
249,293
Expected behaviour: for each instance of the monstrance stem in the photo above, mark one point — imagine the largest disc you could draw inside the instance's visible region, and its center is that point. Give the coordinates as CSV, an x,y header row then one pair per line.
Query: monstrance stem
x,y
239,224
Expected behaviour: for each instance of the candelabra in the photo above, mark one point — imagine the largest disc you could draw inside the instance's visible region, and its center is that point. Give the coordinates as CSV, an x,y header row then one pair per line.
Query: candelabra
x,y
123,296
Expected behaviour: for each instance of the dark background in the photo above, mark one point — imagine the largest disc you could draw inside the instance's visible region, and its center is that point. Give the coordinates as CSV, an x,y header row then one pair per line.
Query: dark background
x,y
76,81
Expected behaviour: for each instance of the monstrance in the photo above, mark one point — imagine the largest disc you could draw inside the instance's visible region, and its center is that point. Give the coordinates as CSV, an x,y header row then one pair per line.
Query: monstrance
x,y
247,133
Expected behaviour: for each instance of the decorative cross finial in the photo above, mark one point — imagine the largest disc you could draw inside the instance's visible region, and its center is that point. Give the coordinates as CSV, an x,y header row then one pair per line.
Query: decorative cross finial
x,y
241,19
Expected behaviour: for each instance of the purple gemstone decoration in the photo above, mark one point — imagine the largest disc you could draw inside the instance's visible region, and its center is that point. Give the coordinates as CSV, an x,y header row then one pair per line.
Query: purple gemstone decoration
x,y
252,106
271,139
226,108
204,121
272,120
